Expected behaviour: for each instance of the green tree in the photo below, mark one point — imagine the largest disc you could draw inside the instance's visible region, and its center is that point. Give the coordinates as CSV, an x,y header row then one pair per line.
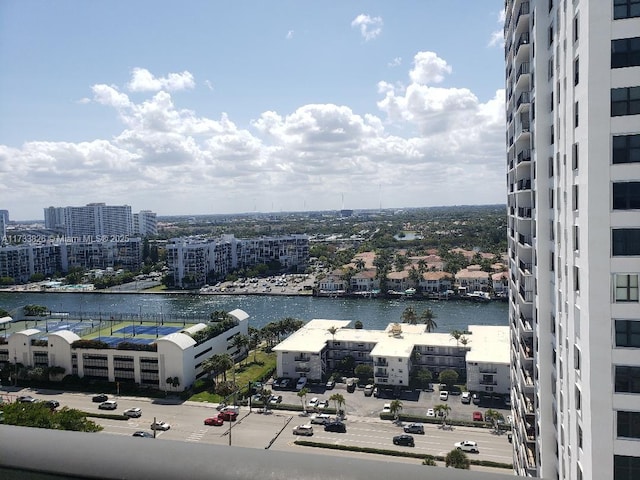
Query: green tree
x,y
363,372
442,410
396,408
358,325
456,334
333,330
338,401
347,365
39,415
457,459
449,377
429,460
240,342
420,378
409,316
302,394
494,417
427,317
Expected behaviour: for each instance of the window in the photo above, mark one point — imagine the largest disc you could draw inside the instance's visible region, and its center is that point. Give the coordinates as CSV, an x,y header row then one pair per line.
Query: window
x,y
574,192
626,467
574,153
576,29
626,242
626,287
550,69
626,149
625,52
578,399
576,71
576,238
551,167
627,379
628,333
628,424
551,34
626,196
552,133
626,9
576,118
576,279
625,101
579,436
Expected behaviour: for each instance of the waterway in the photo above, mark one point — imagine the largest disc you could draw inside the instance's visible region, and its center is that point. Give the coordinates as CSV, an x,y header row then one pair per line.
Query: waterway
x,y
373,313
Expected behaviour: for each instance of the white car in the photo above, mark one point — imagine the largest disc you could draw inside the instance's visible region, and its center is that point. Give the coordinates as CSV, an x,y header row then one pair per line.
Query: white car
x,y
306,430
323,404
444,395
134,412
108,405
431,412
386,408
301,383
159,425
313,402
321,419
466,397
467,446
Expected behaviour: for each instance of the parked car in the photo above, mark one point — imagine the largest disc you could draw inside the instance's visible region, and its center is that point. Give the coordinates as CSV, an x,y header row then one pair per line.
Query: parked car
x,y
477,417
351,386
160,425
406,440
444,395
285,384
52,404
475,399
331,383
27,399
276,383
313,402
466,397
431,412
467,446
375,392
386,408
231,408
335,427
142,434
216,421
108,405
368,390
306,430
228,415
275,399
301,383
134,412
323,404
102,397
414,428
321,419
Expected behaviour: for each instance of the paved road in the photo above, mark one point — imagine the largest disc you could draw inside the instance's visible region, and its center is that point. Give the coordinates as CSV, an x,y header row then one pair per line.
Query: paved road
x,y
254,430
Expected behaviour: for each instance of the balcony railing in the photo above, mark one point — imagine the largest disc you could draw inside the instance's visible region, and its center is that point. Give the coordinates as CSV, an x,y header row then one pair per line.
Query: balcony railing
x,y
524,212
303,369
522,70
381,363
524,156
381,374
524,184
524,239
488,382
302,358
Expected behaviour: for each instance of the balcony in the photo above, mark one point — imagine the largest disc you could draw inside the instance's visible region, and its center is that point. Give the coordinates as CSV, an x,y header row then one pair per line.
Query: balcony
x,y
523,99
527,295
381,373
302,358
523,40
524,184
488,382
523,12
524,212
523,156
380,363
525,239
525,268
301,369
524,69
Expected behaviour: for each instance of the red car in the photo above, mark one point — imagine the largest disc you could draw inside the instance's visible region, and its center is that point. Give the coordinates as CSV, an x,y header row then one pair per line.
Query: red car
x,y
229,416
477,416
216,421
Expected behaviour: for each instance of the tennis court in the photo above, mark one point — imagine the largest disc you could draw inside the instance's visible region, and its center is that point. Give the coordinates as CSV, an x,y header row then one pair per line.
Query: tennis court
x,y
117,340
147,330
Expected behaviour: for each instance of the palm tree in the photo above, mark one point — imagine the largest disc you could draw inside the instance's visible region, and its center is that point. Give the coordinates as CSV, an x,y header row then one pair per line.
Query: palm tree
x,y
332,330
254,341
493,416
240,342
409,316
360,264
338,400
427,318
456,334
303,398
265,395
226,362
444,409
395,408
464,341
212,366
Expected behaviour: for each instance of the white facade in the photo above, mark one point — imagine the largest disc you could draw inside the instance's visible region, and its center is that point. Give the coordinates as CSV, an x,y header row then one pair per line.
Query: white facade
x,y
573,176
177,355
314,351
145,223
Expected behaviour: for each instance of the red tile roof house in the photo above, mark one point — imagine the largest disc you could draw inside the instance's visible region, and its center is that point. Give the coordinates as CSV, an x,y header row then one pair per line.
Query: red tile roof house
x,y
472,279
436,282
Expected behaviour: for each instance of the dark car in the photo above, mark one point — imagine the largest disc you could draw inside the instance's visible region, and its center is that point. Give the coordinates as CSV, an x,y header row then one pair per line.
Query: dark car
x,y
335,427
406,440
52,404
351,387
414,428
143,434
100,398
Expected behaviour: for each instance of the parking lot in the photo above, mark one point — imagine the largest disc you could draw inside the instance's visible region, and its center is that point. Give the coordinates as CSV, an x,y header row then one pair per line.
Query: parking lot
x,y
413,402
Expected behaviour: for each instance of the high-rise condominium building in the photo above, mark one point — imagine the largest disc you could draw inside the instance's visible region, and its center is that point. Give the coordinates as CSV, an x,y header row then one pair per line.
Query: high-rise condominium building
x,y
573,176
90,221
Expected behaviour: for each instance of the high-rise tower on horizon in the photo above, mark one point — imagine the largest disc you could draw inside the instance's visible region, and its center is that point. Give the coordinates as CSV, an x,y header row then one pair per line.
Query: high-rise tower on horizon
x,y
573,179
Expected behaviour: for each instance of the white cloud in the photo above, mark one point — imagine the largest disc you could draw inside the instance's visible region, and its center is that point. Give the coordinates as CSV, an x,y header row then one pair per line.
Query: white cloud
x,y
431,146
208,84
289,35
142,80
396,62
370,27
497,37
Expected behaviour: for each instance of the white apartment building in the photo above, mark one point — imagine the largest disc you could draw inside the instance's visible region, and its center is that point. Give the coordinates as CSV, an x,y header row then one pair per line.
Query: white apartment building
x,y
174,355
145,223
315,351
573,177
95,220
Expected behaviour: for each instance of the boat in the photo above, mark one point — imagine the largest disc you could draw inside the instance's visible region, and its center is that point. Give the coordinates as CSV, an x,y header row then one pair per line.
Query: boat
x,y
410,291
479,296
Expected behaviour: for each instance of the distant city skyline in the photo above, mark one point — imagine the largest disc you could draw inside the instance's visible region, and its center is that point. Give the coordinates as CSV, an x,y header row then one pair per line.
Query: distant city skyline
x,y
251,107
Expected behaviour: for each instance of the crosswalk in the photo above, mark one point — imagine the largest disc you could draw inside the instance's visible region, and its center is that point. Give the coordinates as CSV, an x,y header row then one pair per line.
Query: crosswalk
x,y
196,436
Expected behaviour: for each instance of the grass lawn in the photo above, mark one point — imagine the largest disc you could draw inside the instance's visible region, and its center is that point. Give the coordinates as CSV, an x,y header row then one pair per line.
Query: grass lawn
x,y
248,371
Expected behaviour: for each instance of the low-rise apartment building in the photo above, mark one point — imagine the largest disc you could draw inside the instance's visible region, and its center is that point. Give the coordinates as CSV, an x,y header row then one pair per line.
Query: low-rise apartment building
x,y
317,349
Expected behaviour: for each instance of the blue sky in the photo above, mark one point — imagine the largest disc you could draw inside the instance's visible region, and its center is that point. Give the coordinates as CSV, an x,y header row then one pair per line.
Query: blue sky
x,y
224,107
